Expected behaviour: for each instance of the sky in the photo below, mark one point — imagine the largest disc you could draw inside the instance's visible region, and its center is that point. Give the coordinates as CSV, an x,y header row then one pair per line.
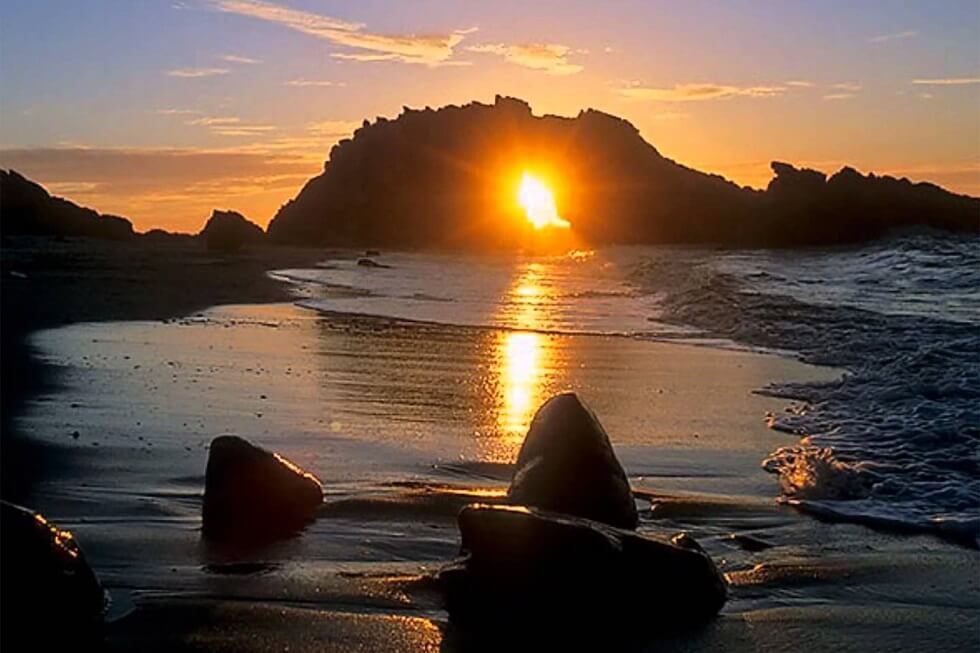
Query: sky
x,y
162,110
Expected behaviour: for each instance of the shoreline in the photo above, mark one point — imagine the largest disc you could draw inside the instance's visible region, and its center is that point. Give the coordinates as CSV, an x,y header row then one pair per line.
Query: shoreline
x,y
822,586
50,282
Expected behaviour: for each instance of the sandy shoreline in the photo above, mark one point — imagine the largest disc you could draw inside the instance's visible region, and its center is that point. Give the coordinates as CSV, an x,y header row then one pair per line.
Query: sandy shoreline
x,y
400,419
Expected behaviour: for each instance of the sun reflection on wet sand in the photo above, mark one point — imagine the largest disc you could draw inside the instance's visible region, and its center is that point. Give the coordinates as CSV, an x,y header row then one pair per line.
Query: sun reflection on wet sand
x,y
524,361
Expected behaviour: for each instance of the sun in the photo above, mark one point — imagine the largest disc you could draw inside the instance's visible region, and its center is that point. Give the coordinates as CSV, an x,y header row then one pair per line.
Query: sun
x,y
539,204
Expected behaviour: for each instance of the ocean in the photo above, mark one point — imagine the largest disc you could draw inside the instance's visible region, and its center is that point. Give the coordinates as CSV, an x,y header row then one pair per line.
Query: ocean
x,y
893,442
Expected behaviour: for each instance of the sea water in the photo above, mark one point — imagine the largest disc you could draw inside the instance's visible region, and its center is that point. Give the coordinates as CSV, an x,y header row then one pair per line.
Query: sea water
x,y
892,443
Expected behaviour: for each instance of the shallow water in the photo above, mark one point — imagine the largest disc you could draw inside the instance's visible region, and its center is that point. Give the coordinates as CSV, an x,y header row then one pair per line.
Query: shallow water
x,y
407,416
894,443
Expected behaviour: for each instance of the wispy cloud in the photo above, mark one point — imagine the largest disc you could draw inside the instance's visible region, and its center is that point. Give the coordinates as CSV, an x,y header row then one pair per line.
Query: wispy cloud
x,y
883,38
799,83
838,96
237,58
196,72
230,126
699,92
551,58
213,121
947,81
177,112
430,50
333,127
849,87
313,82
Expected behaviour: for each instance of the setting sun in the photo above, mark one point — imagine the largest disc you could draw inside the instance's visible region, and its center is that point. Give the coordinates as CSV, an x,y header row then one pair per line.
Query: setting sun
x,y
539,203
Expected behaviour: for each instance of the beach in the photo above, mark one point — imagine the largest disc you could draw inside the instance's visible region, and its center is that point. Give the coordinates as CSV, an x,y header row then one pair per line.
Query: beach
x,y
404,422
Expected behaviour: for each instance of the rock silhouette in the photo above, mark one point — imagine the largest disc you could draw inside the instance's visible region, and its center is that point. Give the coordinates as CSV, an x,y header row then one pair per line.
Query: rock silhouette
x,y
524,565
229,231
253,495
568,465
27,209
49,592
448,178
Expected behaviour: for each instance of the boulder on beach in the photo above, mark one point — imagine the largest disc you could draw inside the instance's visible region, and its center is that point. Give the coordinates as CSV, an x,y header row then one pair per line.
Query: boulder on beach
x,y
370,263
229,231
526,564
568,465
49,592
251,494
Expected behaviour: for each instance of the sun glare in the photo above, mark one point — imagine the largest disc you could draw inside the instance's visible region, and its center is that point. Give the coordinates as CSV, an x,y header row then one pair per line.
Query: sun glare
x,y
539,204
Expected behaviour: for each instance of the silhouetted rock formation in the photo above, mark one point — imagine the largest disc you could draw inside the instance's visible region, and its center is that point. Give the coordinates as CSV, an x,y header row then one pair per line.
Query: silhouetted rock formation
x,y
229,231
568,465
809,209
253,495
50,595
27,209
448,178
544,569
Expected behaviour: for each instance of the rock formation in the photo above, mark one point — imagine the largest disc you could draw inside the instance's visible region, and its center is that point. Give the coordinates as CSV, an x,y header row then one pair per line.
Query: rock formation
x,y
253,495
447,178
229,231
540,568
27,209
50,595
568,465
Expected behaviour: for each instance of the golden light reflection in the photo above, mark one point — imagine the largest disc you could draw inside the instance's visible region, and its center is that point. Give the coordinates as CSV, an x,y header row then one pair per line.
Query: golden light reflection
x,y
521,369
539,203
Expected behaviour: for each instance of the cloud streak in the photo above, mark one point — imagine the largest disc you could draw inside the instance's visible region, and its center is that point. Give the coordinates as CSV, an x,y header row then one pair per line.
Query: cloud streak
x,y
699,92
430,50
947,81
303,83
236,58
193,73
551,58
884,38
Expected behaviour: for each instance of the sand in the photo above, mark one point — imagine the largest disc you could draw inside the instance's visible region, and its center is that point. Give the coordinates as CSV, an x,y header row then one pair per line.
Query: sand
x,y
403,423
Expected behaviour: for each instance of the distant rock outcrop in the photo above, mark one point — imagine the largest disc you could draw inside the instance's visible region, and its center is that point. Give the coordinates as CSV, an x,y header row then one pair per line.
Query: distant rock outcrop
x,y
27,209
253,495
803,207
229,231
50,595
448,178
544,569
568,465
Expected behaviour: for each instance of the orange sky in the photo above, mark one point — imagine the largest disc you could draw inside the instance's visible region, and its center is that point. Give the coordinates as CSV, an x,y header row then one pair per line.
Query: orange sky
x,y
164,111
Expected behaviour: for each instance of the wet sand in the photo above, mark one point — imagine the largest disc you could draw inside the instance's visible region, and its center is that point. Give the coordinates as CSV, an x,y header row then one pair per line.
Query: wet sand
x,y
404,423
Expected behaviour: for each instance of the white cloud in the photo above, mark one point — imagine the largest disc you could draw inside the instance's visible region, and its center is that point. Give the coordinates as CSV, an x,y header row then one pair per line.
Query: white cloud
x,y
799,83
551,58
313,82
947,81
699,92
849,87
838,96
196,72
236,58
431,50
892,37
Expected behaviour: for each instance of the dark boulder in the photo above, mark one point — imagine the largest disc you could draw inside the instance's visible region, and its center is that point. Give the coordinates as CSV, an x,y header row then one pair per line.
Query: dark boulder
x,y
254,495
49,592
522,564
229,231
369,263
568,465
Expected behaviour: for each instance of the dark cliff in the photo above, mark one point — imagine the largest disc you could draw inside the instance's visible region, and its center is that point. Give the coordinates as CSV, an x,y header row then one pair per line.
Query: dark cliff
x,y
447,178
27,209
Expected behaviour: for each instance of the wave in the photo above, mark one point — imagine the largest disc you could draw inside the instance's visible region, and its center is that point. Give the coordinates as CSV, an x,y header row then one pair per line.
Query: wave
x,y
894,441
